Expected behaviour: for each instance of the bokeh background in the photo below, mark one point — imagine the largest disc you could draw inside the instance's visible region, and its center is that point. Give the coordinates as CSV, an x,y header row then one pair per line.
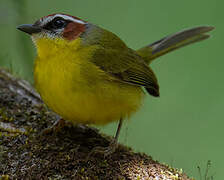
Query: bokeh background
x,y
185,126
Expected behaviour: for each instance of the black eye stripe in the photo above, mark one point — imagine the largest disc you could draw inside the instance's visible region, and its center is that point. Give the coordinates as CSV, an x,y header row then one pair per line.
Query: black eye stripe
x,y
56,23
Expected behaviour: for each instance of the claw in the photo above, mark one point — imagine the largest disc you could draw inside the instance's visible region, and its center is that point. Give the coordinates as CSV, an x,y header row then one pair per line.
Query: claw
x,y
106,151
56,127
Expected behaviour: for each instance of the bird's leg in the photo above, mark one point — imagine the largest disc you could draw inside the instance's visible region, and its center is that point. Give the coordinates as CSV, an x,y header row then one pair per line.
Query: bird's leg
x,y
111,148
113,145
115,140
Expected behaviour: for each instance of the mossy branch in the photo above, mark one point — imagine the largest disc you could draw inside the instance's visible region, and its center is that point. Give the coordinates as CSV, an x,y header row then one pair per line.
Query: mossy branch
x,y
25,154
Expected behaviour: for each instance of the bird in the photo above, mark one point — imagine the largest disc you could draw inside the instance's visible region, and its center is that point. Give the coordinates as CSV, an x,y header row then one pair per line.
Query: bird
x,y
88,75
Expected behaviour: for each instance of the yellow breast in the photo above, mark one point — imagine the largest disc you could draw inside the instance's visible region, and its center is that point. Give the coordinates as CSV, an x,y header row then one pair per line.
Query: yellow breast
x,y
78,90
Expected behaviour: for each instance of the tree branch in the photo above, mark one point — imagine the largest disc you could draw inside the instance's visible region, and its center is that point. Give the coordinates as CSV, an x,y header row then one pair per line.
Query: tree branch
x,y
25,154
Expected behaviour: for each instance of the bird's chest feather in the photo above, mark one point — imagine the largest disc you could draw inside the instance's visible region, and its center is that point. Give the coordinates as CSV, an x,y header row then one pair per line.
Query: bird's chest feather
x,y
78,90
60,70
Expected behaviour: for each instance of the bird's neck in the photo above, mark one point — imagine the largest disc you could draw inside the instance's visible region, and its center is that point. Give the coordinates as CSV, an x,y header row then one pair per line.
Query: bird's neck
x,y
50,47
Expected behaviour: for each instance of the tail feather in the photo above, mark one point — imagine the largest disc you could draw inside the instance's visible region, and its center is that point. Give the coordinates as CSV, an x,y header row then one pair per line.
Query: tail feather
x,y
172,42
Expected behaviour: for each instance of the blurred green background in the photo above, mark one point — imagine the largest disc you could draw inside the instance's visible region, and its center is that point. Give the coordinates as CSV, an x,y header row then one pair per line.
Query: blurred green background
x,y
182,128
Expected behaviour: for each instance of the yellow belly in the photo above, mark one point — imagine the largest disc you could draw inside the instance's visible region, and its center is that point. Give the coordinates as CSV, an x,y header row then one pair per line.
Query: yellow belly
x,y
82,93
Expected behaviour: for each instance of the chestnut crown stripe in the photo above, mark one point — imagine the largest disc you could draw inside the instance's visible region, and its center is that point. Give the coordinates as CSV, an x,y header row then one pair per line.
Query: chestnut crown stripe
x,y
49,18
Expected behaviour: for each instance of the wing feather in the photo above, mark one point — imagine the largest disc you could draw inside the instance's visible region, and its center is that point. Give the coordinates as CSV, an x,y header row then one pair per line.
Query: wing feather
x,y
115,58
128,67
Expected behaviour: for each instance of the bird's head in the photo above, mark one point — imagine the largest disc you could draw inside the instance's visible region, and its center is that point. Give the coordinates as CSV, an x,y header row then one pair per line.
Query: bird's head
x,y
60,26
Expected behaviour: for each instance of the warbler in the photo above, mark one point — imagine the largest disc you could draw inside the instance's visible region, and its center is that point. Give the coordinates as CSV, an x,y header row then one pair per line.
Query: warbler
x,y
88,75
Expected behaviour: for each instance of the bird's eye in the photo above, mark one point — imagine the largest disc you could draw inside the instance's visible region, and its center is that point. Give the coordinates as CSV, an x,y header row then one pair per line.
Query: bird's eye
x,y
58,23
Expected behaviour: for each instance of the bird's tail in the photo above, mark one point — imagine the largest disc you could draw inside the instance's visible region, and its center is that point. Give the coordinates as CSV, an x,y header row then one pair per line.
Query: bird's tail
x,y
172,42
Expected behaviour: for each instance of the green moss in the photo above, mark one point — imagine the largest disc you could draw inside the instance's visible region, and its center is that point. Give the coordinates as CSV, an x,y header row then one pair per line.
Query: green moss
x,y
4,177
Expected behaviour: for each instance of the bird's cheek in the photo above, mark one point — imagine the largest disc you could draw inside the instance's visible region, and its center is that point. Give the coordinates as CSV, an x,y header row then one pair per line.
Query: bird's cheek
x,y
73,30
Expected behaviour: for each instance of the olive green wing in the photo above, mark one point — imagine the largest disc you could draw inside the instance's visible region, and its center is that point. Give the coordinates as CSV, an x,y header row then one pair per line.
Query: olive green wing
x,y
128,67
113,57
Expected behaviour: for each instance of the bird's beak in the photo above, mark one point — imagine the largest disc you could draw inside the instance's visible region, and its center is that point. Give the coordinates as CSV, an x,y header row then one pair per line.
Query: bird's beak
x,y
29,28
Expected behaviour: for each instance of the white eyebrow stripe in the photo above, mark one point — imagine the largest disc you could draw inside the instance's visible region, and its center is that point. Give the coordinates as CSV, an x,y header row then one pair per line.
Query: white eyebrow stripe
x,y
69,18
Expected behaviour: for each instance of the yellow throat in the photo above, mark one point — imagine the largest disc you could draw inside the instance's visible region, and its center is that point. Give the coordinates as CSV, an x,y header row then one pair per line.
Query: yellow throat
x,y
78,90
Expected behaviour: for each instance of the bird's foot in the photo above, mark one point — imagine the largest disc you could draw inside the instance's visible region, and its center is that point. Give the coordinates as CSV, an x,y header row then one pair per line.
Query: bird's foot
x,y
105,151
56,127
